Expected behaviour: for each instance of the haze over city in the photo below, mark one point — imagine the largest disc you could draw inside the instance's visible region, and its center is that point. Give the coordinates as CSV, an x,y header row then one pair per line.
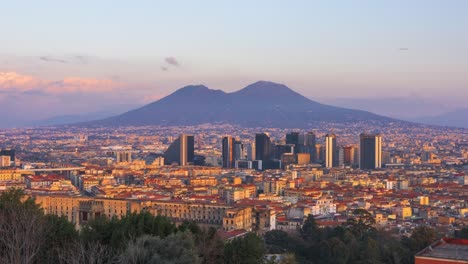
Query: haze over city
x,y
107,57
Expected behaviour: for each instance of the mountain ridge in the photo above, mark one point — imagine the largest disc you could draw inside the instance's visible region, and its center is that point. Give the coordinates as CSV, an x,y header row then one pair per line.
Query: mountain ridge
x,y
262,103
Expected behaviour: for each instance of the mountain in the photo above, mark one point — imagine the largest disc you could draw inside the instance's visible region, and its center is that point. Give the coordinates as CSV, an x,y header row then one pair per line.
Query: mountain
x,y
70,119
262,104
457,118
406,108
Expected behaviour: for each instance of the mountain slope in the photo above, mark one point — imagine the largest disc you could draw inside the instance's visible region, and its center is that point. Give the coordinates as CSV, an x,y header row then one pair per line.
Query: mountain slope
x,y
262,104
457,118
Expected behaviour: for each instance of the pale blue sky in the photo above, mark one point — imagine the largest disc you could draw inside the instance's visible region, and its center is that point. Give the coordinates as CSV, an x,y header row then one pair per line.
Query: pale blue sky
x,y
319,48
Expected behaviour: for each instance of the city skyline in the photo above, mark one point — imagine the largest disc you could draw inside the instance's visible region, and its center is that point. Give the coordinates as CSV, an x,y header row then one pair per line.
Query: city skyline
x,y
420,53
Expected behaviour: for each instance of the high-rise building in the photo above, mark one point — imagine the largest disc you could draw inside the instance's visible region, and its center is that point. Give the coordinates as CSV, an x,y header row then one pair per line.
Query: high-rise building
x,y
349,155
341,156
262,147
386,158
331,159
303,143
319,153
181,151
293,138
228,152
370,151
310,146
282,149
239,152
123,156
250,149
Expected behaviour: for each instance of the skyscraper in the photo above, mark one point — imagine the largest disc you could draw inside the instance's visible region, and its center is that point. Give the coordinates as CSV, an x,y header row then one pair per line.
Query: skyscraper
x,y
349,155
181,151
310,146
319,153
239,152
282,149
370,151
123,156
262,147
330,151
228,152
293,138
250,149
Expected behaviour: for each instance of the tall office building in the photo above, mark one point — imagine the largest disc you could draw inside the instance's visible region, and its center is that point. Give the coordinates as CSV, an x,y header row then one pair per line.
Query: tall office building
x,y
349,155
262,147
331,159
303,143
294,139
239,152
310,145
228,152
250,149
341,156
319,153
370,151
283,149
181,151
123,156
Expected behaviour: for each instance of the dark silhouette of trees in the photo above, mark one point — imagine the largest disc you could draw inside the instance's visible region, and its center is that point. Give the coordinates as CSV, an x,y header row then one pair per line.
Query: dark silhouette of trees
x,y
177,248
25,233
248,249
356,241
462,233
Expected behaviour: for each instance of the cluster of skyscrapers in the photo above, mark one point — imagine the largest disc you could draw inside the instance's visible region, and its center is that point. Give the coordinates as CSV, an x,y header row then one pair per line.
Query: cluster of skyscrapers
x,y
297,148
301,148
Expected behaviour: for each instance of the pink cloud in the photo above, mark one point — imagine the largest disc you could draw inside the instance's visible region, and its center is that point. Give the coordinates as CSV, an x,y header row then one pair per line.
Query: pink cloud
x,y
11,81
15,82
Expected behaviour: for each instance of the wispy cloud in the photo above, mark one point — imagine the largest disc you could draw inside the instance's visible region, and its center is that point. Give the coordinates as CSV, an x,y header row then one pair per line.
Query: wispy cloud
x,y
14,82
172,61
73,59
51,59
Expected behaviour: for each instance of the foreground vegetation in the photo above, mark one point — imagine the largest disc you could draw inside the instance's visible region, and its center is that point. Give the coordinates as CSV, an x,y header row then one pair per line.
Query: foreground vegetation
x,y
27,235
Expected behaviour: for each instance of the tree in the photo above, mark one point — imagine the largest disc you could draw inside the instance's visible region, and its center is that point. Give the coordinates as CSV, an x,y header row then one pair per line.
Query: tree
x,y
248,249
310,231
60,236
277,241
462,233
23,228
177,248
421,237
288,259
190,226
369,252
334,250
361,224
210,246
117,232
80,252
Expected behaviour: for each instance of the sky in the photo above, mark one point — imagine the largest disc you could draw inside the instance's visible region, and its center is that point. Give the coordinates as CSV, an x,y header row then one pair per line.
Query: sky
x,y
72,57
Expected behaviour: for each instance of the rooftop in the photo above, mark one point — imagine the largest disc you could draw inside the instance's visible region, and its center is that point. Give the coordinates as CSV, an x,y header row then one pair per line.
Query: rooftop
x,y
446,248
